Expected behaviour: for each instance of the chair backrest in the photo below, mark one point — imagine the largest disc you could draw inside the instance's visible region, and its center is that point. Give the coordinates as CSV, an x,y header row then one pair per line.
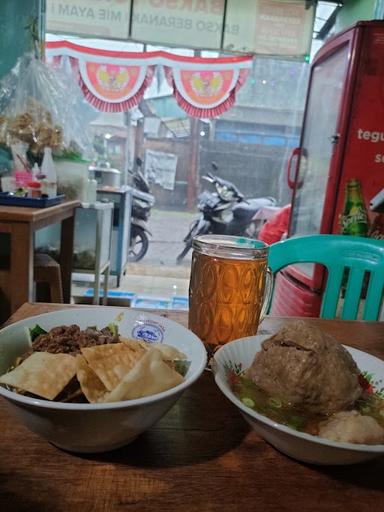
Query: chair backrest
x,y
338,253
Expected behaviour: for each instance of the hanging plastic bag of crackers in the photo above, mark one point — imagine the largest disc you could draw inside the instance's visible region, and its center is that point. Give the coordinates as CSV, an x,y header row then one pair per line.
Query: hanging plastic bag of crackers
x,y
39,107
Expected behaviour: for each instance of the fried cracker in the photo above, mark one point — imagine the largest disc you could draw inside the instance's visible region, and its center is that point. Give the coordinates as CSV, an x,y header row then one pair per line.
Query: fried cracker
x,y
111,362
92,387
149,376
169,351
42,374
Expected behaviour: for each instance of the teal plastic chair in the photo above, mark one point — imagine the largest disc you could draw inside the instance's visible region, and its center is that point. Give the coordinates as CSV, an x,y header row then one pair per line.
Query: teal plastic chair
x,y
337,253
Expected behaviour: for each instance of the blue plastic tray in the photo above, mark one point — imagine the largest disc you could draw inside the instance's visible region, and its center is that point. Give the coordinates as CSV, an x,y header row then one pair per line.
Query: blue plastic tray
x,y
33,202
112,294
151,302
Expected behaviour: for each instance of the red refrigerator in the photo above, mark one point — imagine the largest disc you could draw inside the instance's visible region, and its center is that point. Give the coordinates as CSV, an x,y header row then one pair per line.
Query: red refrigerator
x,y
338,176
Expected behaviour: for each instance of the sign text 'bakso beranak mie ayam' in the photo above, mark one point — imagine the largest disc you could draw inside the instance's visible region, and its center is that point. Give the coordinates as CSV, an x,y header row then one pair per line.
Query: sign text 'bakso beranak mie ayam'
x,y
272,27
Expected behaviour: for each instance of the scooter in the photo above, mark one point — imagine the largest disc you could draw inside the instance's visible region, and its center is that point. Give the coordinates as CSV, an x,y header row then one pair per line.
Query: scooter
x,y
142,202
224,212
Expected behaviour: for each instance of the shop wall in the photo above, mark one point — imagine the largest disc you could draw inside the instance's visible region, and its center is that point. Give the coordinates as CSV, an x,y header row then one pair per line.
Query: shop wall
x,y
355,10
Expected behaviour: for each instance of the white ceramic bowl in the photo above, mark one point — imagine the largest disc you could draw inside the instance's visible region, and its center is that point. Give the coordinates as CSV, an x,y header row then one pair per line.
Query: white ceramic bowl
x,y
91,428
298,445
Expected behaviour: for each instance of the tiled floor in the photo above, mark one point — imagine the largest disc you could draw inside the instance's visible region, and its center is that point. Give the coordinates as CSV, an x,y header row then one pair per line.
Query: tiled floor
x,y
157,283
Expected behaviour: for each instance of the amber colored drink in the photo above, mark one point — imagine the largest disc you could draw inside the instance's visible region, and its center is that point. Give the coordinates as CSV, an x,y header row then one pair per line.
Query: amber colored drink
x,y
225,297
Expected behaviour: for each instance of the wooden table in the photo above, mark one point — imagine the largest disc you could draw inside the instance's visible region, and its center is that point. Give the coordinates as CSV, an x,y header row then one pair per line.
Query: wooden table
x,y
202,456
21,223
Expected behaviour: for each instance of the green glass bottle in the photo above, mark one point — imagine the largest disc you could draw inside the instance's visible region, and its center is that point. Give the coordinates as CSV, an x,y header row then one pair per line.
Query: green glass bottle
x,y
354,219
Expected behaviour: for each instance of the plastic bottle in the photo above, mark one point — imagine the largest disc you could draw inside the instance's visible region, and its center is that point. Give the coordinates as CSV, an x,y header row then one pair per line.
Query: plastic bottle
x,y
35,172
92,191
49,170
34,189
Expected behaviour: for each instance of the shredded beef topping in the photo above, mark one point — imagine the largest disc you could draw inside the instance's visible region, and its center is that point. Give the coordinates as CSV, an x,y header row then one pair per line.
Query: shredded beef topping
x,y
70,339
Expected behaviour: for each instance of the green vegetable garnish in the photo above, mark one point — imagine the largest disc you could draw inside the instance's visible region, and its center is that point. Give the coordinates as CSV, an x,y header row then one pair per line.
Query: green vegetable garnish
x,y
275,402
248,401
34,332
364,409
181,366
296,422
114,328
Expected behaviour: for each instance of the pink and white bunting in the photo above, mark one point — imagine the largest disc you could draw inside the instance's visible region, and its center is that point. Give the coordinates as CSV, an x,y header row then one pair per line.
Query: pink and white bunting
x,y
115,81
206,87
111,81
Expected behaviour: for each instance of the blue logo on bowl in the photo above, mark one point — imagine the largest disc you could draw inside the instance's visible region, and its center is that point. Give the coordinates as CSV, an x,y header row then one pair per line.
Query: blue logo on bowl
x,y
148,331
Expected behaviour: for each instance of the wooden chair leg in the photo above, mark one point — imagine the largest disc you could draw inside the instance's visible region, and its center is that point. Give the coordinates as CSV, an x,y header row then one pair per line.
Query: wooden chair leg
x,y
47,270
55,286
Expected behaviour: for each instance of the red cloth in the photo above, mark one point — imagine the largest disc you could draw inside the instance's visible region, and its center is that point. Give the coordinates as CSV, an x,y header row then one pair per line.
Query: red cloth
x,y
274,229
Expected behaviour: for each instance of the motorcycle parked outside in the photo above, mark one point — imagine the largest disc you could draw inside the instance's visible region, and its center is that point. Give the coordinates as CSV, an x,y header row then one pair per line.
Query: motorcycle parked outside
x,y
142,202
224,212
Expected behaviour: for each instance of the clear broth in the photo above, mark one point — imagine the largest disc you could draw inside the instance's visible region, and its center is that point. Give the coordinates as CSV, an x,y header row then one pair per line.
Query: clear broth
x,y
295,417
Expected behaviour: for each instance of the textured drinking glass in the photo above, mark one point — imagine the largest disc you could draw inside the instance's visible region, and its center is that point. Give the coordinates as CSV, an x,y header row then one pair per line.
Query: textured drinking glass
x,y
230,288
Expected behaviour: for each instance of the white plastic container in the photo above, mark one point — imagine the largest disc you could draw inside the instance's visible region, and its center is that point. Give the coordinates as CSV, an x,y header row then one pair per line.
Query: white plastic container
x,y
48,169
72,179
35,172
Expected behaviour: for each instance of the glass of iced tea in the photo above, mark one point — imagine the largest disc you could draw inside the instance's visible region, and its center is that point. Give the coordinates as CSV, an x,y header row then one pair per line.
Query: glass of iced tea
x,y
230,288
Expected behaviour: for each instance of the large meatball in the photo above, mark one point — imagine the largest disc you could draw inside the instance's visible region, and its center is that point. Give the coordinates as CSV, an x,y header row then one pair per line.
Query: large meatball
x,y
304,366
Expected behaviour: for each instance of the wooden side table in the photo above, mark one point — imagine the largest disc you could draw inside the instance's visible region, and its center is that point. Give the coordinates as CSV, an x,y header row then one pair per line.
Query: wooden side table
x,y
21,223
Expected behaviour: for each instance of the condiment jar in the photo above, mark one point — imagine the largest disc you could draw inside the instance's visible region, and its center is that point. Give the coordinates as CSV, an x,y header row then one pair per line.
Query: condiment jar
x,y
48,188
34,189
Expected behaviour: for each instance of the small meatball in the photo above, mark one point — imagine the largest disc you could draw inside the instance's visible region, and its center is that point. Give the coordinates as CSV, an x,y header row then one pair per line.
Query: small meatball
x,y
352,427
